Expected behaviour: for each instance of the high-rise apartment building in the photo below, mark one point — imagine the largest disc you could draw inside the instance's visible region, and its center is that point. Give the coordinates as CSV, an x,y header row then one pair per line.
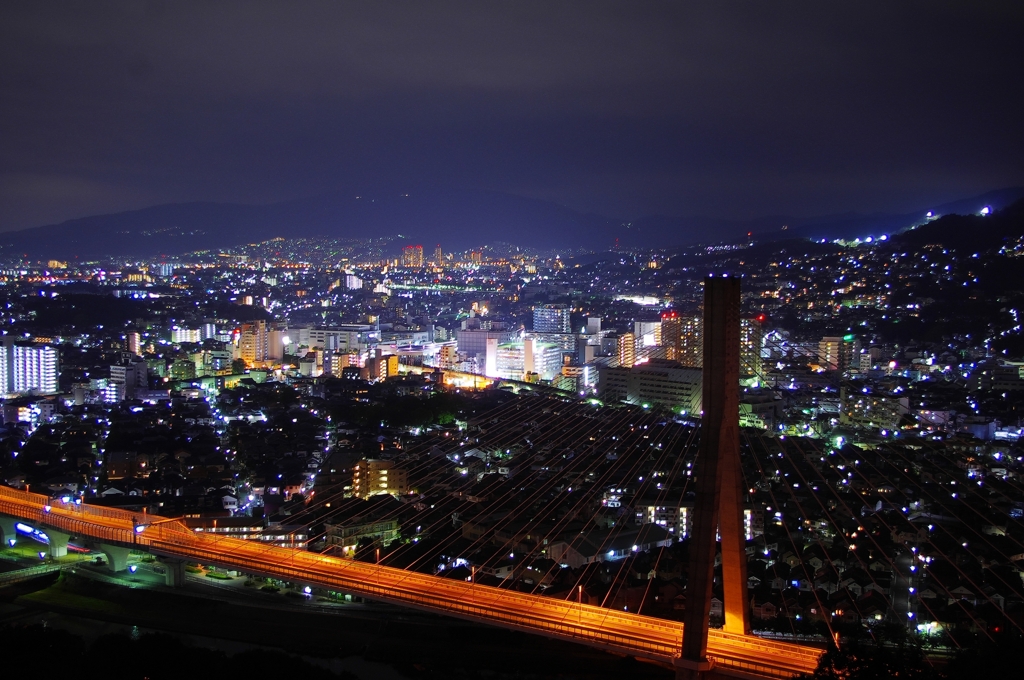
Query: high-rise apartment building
x,y
671,329
29,367
133,343
412,256
625,348
682,335
837,353
751,342
253,342
551,319
691,335
438,256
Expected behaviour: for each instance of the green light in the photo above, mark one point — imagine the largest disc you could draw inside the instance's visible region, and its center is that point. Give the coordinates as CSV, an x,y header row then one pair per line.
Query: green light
x,y
849,338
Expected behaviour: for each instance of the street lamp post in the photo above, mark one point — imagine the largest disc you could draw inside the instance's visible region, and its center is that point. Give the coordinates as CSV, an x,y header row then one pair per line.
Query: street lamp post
x,y
579,592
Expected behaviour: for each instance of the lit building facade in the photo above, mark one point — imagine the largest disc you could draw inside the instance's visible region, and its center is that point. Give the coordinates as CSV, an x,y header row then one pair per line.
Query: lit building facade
x,y
412,256
371,477
29,367
253,342
677,517
516,360
180,335
658,381
751,343
837,353
682,336
551,319
625,349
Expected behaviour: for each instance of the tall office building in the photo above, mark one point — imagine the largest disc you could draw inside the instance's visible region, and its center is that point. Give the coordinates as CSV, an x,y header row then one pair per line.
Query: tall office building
x,y
551,319
412,256
438,256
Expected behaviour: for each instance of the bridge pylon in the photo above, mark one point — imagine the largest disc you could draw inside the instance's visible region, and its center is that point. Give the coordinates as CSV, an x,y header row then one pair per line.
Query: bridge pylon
x,y
718,508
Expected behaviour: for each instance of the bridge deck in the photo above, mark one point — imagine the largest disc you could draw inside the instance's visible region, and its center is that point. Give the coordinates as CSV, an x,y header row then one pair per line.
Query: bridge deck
x,y
611,630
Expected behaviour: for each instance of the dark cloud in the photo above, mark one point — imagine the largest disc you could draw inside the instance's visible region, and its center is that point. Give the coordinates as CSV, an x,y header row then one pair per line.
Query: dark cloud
x,y
730,108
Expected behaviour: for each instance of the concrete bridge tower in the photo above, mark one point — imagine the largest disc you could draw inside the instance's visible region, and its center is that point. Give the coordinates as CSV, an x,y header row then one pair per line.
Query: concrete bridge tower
x,y
719,500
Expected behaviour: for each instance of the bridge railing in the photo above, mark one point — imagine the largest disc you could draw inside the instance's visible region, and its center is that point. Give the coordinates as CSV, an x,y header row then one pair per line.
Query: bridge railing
x,y
18,494
65,520
651,637
86,511
425,591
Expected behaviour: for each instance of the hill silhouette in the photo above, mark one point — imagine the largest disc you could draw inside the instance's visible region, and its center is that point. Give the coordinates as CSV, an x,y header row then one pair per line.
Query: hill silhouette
x,y
459,220
975,232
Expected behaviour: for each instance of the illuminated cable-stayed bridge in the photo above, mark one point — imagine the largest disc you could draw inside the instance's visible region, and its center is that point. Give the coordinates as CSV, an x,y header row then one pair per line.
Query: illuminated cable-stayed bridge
x,y
607,629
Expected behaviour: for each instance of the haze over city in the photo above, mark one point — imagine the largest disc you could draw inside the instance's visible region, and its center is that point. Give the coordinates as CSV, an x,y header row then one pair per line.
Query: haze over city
x,y
550,340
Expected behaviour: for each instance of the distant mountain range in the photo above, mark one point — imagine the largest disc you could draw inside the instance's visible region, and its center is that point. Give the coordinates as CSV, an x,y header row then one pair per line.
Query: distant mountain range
x,y
458,220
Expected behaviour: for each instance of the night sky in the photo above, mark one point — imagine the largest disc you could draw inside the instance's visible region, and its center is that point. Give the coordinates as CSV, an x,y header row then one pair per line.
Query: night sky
x,y
731,109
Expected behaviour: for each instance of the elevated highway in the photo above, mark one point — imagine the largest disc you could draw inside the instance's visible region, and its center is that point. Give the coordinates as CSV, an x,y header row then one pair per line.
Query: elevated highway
x,y
660,640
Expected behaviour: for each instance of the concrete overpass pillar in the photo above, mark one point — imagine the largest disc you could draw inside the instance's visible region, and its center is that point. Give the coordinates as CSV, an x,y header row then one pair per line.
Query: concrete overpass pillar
x,y
117,557
7,531
58,546
174,576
